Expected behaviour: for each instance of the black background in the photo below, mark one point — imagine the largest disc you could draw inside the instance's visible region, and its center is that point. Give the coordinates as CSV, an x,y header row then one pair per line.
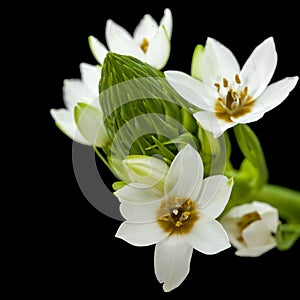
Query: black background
x,y
74,251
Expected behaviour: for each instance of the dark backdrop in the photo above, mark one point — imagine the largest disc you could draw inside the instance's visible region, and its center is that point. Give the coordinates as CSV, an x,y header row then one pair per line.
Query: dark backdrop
x,y
77,253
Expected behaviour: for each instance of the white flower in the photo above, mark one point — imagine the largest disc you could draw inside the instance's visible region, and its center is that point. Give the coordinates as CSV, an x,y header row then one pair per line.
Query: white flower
x,y
178,217
251,228
82,119
150,42
227,95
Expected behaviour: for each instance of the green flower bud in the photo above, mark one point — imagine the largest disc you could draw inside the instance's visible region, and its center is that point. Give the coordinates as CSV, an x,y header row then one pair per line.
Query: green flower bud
x,y
143,114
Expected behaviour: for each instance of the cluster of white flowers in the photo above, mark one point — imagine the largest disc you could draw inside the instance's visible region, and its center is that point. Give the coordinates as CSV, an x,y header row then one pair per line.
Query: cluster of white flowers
x,y
182,212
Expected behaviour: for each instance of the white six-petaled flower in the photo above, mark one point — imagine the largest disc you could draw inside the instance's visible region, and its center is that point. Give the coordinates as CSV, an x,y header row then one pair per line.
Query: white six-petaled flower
x,y
226,95
82,119
251,228
177,217
150,42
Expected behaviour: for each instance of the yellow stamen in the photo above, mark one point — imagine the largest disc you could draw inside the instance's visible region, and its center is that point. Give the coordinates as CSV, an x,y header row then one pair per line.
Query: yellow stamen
x,y
145,45
189,202
225,82
186,214
217,86
237,79
176,219
178,224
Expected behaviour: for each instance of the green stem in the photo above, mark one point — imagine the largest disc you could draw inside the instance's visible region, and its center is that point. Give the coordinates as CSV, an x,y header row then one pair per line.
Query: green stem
x,y
103,159
286,200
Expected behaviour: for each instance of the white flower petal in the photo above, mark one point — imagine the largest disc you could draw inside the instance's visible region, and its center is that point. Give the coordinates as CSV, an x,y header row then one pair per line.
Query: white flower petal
x,y
89,121
139,193
210,122
248,118
141,234
275,94
185,175
98,50
159,48
268,213
257,234
259,68
145,29
113,27
140,212
255,251
74,91
218,62
90,76
120,41
172,259
167,22
215,194
193,90
64,119
240,210
207,236
232,230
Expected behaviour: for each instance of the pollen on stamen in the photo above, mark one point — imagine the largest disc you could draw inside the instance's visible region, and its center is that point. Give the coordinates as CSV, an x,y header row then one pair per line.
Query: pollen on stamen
x,y
185,216
237,79
178,219
145,45
217,86
225,82
178,224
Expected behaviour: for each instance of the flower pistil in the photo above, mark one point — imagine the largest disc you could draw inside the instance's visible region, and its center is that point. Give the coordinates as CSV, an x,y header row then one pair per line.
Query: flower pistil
x,y
233,99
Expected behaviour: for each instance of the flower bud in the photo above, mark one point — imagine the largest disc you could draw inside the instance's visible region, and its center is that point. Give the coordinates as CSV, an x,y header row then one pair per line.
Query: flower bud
x,y
146,169
251,228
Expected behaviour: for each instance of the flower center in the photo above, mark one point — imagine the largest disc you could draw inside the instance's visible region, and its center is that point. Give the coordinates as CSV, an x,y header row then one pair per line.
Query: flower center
x,y
144,45
233,101
245,221
176,218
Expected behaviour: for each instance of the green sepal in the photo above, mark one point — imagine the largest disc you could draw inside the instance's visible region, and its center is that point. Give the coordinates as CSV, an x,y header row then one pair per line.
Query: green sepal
x,y
287,235
118,185
164,151
250,147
